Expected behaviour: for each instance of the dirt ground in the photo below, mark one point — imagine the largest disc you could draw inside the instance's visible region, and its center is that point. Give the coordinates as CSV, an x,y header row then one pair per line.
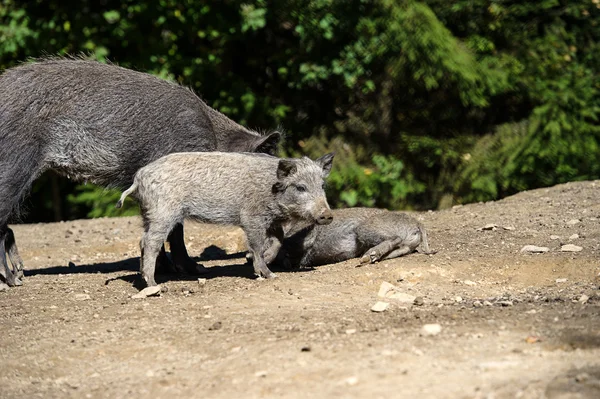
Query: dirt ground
x,y
513,325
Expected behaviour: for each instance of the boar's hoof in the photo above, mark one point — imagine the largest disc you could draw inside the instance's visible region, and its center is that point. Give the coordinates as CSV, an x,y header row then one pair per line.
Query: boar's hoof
x,y
20,274
374,257
265,275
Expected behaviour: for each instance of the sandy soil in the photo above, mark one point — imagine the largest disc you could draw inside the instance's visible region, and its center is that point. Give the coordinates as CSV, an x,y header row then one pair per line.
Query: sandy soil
x,y
513,325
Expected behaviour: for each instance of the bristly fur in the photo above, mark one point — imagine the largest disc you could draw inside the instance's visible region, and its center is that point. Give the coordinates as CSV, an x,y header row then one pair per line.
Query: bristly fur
x,y
99,122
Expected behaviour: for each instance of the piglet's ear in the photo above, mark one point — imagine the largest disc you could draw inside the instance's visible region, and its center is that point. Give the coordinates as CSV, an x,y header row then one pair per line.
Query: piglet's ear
x,y
285,168
326,162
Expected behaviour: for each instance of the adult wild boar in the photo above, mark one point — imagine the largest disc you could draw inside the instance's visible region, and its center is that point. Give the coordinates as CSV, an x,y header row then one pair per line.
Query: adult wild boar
x,y
99,123
257,192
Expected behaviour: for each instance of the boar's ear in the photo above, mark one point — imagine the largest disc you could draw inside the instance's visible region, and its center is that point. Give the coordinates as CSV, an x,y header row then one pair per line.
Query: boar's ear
x,y
326,162
268,144
285,168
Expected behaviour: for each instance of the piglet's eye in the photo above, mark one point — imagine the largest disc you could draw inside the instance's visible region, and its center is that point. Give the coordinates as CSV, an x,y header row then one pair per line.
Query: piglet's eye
x,y
300,188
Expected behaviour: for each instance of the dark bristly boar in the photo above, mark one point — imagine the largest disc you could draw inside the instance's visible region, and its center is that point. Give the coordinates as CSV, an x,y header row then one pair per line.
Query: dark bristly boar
x,y
99,123
370,233
257,192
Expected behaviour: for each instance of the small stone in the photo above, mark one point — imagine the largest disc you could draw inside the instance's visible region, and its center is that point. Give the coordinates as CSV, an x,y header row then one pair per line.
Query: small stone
x,y
82,297
419,301
573,222
532,339
380,307
532,311
561,280
477,304
164,289
216,326
305,349
490,226
534,249
430,330
352,381
505,303
387,290
146,292
458,299
574,236
582,377
571,248
508,228
469,282
554,237
487,303
351,331
583,299
202,281
260,374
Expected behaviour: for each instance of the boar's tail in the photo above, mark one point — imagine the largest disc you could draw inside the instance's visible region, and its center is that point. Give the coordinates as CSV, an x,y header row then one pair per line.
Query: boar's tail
x,y
125,194
424,241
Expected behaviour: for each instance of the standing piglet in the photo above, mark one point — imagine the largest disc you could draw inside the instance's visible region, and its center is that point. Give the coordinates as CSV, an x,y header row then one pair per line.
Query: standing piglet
x,y
257,192
370,233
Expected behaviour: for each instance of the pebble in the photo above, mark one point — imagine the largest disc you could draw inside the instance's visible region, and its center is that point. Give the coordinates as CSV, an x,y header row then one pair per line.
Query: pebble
x,y
574,236
419,301
561,280
458,299
305,349
508,227
490,226
351,331
469,282
261,373
505,303
487,303
380,307
477,304
583,299
216,326
554,237
82,297
387,290
146,292
571,248
534,249
573,222
431,329
352,381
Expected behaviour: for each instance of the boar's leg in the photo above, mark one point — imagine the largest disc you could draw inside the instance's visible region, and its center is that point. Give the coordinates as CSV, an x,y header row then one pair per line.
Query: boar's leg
x,y
13,253
379,251
179,254
396,253
152,241
5,272
258,242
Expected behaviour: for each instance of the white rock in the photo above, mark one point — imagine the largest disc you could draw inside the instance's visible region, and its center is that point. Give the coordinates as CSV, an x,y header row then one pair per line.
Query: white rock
x,y
380,307
487,303
146,292
458,299
431,329
469,282
202,281
571,248
554,237
573,222
534,249
351,381
351,331
561,280
387,290
584,298
490,226
508,227
574,236
82,297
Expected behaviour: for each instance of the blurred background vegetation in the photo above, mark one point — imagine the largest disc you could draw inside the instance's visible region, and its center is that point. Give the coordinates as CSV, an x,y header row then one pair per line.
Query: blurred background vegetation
x,y
427,103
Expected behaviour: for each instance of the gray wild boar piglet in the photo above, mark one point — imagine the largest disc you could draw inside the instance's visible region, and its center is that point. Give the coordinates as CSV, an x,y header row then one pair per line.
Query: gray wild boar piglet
x,y
257,192
100,123
370,233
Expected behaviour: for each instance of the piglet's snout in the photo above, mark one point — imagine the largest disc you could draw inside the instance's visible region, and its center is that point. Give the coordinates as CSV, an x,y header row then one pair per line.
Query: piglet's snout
x,y
325,217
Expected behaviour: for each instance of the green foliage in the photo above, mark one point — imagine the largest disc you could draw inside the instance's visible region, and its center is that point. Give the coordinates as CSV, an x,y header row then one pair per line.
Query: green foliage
x,y
423,100
101,202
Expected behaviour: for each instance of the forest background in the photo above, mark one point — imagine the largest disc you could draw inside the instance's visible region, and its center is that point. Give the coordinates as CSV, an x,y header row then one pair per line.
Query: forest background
x,y
427,103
